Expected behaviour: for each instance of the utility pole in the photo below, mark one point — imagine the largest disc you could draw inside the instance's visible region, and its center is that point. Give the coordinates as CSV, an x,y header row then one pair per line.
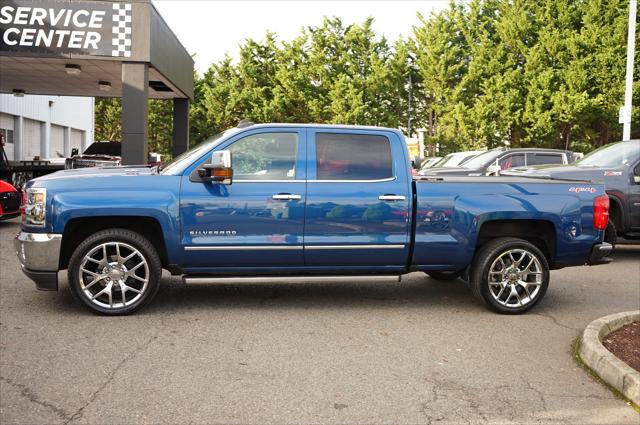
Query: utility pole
x,y
409,106
625,111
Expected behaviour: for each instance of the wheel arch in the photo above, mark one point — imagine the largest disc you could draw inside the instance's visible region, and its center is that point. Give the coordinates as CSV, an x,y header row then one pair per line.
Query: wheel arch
x,y
616,212
78,229
541,233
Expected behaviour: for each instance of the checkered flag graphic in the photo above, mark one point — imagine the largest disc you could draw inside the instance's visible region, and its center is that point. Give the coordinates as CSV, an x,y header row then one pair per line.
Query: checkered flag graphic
x,y
122,20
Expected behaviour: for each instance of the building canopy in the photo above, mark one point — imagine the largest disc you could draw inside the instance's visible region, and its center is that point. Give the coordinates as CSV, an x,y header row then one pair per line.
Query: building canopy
x,y
98,49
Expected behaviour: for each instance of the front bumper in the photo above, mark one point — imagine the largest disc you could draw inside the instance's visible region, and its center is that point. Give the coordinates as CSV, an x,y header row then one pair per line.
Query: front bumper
x,y
39,255
599,254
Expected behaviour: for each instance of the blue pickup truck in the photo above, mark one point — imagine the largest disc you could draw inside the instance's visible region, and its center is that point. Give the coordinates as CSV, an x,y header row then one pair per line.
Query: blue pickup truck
x,y
285,202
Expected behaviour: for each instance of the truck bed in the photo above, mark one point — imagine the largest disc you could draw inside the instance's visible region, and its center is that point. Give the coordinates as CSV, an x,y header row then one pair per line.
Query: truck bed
x,y
453,213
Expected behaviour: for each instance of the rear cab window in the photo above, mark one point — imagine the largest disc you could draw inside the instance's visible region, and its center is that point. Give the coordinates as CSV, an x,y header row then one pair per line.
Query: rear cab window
x,y
353,157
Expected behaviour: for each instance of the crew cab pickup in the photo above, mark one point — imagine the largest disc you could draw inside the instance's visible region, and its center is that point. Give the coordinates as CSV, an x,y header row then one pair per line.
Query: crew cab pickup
x,y
285,202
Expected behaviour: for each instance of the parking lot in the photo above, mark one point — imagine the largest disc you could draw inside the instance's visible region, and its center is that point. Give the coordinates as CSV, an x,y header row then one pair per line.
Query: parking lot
x,y
417,352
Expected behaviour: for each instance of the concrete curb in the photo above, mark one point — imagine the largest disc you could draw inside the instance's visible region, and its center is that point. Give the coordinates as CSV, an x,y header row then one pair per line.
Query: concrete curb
x,y
611,369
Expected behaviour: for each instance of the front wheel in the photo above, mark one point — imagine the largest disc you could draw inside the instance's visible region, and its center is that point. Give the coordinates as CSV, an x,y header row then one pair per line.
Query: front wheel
x,y
114,272
510,275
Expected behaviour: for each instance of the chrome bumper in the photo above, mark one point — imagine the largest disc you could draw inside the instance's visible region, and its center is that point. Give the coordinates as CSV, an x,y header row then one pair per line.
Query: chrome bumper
x,y
39,256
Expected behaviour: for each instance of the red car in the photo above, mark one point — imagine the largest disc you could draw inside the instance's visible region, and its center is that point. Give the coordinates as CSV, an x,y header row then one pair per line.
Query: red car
x,y
9,201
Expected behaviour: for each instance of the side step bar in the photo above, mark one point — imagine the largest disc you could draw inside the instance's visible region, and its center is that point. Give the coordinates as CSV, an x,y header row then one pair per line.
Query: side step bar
x,y
289,279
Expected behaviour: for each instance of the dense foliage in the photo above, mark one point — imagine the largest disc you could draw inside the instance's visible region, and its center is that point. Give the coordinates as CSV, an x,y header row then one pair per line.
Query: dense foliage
x,y
483,73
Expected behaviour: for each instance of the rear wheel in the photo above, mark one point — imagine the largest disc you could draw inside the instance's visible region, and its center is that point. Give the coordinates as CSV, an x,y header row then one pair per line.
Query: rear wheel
x,y
114,272
510,275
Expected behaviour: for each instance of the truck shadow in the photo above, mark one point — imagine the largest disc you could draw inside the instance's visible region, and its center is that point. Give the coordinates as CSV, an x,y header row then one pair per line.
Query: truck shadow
x,y
418,292
626,252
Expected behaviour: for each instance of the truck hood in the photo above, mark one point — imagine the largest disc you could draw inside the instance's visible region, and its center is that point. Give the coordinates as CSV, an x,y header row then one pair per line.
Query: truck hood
x,y
568,172
97,157
449,171
82,173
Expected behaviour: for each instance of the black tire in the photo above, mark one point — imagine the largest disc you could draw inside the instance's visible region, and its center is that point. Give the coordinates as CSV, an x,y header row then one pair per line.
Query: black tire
x,y
445,275
611,234
146,253
485,258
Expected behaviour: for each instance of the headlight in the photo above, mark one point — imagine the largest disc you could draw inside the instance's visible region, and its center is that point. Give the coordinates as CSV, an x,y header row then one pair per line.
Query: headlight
x,y
35,207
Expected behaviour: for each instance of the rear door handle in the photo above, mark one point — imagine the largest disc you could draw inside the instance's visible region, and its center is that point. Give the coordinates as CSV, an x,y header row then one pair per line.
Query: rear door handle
x,y
286,197
389,197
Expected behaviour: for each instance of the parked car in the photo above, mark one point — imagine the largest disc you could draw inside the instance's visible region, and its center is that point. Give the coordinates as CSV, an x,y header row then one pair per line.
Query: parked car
x,y
103,154
489,163
303,203
457,158
617,166
429,161
9,201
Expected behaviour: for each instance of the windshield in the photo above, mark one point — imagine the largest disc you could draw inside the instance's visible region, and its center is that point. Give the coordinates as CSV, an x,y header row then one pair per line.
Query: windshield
x,y
104,148
178,164
443,162
614,155
456,159
482,159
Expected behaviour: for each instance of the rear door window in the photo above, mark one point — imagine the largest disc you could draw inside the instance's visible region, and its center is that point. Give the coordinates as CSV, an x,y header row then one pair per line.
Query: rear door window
x,y
353,157
510,161
544,158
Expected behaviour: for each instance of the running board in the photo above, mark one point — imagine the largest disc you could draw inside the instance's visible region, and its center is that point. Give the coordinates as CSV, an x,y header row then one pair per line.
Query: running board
x,y
290,279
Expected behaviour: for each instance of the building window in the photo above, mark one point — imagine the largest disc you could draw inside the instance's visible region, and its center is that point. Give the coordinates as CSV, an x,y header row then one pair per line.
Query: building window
x,y
7,135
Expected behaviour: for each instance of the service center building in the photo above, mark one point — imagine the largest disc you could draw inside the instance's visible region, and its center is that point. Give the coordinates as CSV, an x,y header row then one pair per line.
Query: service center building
x,y
98,49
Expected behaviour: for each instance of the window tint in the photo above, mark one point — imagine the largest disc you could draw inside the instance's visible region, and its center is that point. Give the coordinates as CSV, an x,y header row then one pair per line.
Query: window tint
x,y
265,156
353,157
509,161
543,158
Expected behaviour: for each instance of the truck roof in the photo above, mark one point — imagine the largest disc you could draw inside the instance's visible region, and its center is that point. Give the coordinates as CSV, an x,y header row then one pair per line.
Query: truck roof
x,y
312,125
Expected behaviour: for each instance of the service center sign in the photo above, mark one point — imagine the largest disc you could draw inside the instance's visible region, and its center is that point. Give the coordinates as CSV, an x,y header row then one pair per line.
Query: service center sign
x,y
91,28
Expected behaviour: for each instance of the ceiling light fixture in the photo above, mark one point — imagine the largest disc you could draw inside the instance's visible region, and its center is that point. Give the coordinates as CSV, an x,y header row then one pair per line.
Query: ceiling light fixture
x,y
73,69
104,85
18,92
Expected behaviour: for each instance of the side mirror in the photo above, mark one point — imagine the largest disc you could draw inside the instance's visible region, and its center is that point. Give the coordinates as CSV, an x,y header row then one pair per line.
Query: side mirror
x,y
74,151
219,170
493,170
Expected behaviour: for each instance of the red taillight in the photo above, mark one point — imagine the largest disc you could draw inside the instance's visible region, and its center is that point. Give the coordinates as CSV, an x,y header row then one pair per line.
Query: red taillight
x,y
600,212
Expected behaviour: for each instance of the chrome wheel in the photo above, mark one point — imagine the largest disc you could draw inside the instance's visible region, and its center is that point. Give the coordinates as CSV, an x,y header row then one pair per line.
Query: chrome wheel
x,y
515,278
113,275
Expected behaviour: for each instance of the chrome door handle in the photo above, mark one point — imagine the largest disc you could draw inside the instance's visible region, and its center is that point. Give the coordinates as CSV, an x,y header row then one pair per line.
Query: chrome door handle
x,y
286,197
391,198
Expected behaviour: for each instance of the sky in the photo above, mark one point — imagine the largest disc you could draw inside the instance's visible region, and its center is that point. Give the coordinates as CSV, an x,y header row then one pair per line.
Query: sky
x,y
212,28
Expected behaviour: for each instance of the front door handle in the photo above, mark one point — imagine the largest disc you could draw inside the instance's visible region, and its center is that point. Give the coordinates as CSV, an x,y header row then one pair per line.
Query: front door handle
x,y
286,197
389,197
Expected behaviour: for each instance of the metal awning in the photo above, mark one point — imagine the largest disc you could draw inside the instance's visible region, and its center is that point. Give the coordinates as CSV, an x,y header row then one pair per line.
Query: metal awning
x,y
98,49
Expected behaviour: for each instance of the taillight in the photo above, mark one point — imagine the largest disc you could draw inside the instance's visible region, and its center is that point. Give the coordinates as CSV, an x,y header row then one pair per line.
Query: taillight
x,y
600,212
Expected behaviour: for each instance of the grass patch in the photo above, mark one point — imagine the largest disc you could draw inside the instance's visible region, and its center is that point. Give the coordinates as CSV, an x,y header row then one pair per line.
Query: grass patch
x,y
575,352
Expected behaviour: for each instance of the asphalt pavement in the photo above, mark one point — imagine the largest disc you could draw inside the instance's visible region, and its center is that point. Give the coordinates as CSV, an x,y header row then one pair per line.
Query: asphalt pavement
x,y
419,351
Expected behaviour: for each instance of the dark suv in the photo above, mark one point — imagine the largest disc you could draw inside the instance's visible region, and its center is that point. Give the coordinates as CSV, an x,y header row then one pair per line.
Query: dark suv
x,y
491,162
